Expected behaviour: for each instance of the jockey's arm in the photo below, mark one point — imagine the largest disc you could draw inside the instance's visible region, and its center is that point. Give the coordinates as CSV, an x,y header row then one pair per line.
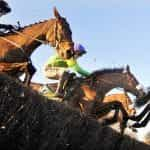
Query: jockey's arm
x,y
81,71
75,66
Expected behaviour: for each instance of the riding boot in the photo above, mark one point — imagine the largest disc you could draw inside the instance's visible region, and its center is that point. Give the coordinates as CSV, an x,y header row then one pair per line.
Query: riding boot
x,y
60,87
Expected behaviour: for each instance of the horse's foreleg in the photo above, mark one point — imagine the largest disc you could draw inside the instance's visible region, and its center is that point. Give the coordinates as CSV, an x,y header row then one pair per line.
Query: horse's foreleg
x,y
124,119
128,104
143,123
113,119
141,115
30,71
102,109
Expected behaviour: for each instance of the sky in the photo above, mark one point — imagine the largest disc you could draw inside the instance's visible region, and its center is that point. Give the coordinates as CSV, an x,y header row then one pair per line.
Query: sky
x,y
114,32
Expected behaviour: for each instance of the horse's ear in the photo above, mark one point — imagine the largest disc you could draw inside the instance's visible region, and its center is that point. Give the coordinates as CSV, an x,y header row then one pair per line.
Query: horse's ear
x,y
56,13
126,69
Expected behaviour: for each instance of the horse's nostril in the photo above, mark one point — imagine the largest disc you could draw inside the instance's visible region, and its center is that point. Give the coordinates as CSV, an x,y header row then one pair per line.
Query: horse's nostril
x,y
68,51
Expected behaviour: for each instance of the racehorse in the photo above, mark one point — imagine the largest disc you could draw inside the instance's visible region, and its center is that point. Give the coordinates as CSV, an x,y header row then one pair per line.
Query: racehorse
x,y
87,94
124,99
17,46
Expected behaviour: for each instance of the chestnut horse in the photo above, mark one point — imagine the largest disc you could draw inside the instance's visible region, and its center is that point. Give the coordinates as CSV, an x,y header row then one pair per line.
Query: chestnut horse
x,y
124,99
17,46
87,94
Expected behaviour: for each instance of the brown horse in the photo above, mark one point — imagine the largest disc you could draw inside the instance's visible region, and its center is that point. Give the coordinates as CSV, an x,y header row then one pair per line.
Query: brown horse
x,y
17,46
87,94
121,97
124,99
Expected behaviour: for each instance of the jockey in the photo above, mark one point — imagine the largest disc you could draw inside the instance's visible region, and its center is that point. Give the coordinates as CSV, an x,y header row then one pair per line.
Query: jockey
x,y
57,68
4,9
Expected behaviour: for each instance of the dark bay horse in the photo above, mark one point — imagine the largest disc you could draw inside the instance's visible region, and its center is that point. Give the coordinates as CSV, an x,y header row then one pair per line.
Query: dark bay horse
x,y
17,46
87,94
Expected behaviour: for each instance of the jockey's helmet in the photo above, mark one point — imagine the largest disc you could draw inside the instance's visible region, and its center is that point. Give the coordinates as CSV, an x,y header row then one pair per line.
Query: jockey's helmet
x,y
79,49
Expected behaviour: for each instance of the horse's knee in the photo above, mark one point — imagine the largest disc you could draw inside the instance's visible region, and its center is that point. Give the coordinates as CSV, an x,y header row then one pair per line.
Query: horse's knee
x,y
132,111
116,104
31,69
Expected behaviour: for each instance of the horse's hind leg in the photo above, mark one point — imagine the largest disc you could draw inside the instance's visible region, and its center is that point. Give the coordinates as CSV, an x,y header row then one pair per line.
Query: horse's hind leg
x,y
102,109
30,71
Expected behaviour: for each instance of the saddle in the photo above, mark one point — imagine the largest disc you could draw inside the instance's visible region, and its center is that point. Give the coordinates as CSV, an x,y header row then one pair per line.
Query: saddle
x,y
72,83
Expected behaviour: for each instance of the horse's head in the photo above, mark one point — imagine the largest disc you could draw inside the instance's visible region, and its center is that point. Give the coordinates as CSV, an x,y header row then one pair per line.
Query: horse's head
x,y
61,36
131,84
4,8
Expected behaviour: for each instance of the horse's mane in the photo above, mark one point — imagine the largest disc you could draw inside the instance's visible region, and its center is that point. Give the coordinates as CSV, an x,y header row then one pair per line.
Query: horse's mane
x,y
22,28
108,70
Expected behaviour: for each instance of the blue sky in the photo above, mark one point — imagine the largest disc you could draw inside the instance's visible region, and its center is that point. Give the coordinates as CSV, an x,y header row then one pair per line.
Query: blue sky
x,y
115,32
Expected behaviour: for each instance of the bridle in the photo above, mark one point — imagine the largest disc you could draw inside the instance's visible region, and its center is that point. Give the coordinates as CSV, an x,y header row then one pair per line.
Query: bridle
x,y
56,42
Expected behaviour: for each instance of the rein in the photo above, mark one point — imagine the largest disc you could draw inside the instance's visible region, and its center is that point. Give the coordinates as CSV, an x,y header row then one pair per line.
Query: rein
x,y
32,38
42,41
13,43
23,35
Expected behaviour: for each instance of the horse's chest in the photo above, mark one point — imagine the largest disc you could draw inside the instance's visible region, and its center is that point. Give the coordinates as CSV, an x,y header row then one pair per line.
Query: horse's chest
x,y
14,55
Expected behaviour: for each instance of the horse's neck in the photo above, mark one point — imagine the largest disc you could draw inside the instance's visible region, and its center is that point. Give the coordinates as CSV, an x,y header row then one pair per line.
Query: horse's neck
x,y
25,38
107,82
